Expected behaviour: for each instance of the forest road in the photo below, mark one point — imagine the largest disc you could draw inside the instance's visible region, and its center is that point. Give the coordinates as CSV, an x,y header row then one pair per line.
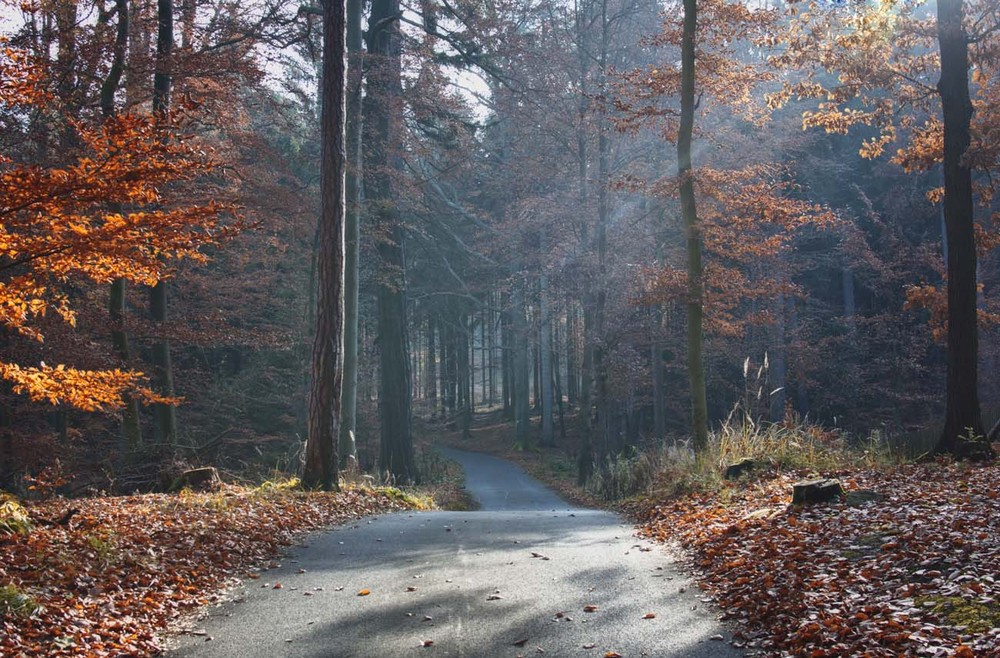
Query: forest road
x,y
511,579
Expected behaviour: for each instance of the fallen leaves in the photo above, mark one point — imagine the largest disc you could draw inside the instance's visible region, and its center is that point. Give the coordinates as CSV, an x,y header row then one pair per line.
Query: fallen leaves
x,y
911,574
649,615
364,592
127,566
590,608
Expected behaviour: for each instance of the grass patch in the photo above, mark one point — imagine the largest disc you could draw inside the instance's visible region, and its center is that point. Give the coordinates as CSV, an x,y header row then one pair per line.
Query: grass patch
x,y
15,603
974,616
14,519
794,445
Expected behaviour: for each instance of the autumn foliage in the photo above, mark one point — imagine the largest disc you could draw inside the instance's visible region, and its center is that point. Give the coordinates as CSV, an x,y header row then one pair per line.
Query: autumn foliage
x,y
905,567
104,212
110,581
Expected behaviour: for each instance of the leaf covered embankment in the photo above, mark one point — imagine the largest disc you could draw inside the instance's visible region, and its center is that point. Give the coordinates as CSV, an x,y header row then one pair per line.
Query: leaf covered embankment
x,y
105,583
910,567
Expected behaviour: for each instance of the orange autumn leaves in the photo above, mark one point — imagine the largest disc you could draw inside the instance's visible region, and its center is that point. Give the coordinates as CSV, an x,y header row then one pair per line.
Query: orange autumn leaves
x,y
103,212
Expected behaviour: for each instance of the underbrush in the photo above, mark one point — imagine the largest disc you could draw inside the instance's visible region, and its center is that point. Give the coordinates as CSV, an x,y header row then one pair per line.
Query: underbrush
x,y
794,445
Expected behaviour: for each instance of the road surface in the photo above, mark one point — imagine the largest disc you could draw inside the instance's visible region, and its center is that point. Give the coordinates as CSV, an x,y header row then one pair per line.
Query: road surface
x,y
511,579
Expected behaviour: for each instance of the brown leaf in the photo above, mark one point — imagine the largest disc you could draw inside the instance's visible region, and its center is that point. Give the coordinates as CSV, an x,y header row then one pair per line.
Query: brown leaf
x,y
590,608
649,615
612,654
427,643
364,592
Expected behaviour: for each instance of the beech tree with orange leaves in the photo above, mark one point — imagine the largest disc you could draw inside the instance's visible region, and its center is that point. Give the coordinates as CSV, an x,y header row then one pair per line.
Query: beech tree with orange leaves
x,y
732,213
101,216
906,74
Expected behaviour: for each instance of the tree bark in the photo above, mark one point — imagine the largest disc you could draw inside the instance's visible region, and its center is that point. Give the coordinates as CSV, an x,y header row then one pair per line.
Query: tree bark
x,y
328,341
348,450
382,110
163,375
962,414
689,211
131,427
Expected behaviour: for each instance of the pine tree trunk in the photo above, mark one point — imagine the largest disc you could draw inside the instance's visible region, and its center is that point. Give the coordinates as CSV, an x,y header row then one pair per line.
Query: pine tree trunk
x,y
695,289
163,375
382,109
348,449
962,414
328,342
521,392
545,352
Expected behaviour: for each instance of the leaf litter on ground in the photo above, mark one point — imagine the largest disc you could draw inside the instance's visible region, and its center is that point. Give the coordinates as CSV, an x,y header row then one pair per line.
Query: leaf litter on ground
x,y
913,571
114,578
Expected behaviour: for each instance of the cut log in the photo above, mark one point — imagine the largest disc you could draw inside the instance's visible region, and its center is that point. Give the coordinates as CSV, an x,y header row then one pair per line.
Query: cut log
x,y
821,490
198,479
734,471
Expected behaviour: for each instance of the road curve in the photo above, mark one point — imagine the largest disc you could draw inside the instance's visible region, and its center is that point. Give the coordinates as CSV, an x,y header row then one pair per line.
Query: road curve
x,y
512,579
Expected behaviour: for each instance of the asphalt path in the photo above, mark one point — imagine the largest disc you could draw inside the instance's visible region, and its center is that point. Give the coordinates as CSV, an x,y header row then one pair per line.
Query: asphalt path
x,y
514,578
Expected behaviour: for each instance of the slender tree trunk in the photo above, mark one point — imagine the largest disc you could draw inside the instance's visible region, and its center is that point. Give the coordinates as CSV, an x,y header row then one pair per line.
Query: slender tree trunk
x,y
431,365
163,374
572,375
348,450
962,414
545,350
131,427
695,289
522,411
328,342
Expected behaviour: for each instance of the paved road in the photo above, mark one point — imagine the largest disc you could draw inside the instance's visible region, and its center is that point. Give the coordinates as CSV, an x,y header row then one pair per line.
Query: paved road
x,y
511,579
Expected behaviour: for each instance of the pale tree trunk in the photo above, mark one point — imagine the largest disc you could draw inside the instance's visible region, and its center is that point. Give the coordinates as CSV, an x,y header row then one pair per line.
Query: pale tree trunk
x,y
962,414
383,115
522,407
328,341
131,428
689,211
163,374
545,350
585,463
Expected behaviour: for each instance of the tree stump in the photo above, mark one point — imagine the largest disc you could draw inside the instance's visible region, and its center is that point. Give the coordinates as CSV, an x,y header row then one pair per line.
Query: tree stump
x,y
198,479
734,471
820,490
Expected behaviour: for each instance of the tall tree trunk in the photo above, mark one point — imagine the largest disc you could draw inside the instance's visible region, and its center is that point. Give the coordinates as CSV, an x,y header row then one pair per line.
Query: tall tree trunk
x,y
962,414
163,374
382,110
572,374
131,428
521,392
545,350
695,288
431,365
328,341
352,236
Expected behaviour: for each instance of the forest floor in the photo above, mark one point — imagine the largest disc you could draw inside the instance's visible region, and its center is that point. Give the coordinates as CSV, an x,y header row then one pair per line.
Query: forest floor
x,y
907,565
110,580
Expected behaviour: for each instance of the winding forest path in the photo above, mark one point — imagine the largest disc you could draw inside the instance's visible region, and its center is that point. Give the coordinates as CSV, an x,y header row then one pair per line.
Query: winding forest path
x,y
511,579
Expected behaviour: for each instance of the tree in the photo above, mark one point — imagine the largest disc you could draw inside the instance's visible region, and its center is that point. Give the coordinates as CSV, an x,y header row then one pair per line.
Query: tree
x,y
382,109
884,60
348,450
689,210
60,223
163,373
962,415
328,346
